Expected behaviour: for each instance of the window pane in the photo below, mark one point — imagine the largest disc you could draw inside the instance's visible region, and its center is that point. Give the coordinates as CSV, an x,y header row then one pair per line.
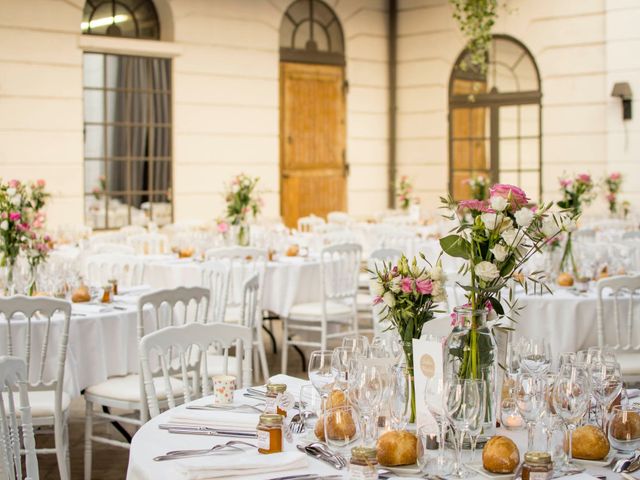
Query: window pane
x,y
530,183
161,209
96,212
509,118
303,34
93,141
93,70
94,177
161,172
529,120
509,154
118,211
93,106
121,18
530,154
509,177
461,150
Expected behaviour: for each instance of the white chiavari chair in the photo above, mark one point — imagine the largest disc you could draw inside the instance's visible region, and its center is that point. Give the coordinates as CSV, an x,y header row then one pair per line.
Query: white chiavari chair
x,y
215,277
14,382
152,243
106,237
131,230
339,218
127,269
172,307
244,262
339,269
398,238
310,224
31,333
113,248
180,351
617,332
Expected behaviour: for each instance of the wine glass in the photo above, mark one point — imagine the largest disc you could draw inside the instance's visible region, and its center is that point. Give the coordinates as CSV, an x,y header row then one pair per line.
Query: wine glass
x,y
536,357
356,343
462,404
566,358
606,384
309,406
340,363
321,374
476,425
530,398
401,397
571,399
434,399
341,428
367,391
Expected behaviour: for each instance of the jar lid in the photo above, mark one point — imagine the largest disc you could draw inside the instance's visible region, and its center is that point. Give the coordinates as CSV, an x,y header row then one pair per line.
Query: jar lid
x,y
276,388
112,280
537,458
106,287
271,419
363,453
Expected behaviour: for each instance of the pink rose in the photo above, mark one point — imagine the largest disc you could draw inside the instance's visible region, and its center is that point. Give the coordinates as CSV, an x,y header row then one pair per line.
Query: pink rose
x,y
477,205
425,287
516,196
41,183
407,285
615,176
611,198
377,300
584,178
14,216
14,183
223,227
565,182
4,215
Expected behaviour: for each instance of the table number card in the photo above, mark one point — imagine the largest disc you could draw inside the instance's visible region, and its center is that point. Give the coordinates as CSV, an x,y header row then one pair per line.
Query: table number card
x,y
428,362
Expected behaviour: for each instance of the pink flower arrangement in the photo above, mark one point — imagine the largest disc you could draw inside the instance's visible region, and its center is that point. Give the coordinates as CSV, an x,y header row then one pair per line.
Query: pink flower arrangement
x,y
514,195
565,182
222,226
404,193
615,176
14,216
612,184
583,178
476,205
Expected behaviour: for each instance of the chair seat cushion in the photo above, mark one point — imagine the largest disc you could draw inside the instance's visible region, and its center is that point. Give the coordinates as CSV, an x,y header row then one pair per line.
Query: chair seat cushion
x,y
629,362
313,311
127,388
42,403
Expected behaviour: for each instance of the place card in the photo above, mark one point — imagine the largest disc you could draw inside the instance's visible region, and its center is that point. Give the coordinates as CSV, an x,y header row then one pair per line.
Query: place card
x,y
428,362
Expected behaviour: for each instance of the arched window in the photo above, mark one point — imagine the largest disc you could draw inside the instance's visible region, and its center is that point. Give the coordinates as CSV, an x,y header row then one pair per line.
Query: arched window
x,y
495,121
121,18
311,33
128,160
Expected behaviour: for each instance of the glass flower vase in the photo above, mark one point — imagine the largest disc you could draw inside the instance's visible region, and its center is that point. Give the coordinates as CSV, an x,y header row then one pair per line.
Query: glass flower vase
x,y
241,234
471,352
408,355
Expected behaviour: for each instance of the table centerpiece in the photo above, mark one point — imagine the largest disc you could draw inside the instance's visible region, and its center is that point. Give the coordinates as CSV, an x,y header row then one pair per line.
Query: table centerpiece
x,y
242,202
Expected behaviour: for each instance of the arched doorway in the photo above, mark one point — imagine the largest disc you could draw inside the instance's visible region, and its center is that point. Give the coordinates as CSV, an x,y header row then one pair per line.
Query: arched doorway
x,y
313,168
495,120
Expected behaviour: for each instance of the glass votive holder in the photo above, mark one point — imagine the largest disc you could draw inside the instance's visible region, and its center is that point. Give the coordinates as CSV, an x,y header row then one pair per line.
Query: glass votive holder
x,y
510,417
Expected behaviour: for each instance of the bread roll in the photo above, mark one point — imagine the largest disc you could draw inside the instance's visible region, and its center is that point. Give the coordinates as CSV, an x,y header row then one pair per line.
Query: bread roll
x,y
565,280
319,429
500,455
81,294
336,398
293,251
397,448
589,443
625,430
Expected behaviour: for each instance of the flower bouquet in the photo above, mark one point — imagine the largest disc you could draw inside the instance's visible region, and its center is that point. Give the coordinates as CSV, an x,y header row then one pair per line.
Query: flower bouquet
x,y
496,238
479,187
242,202
576,192
404,193
613,183
408,294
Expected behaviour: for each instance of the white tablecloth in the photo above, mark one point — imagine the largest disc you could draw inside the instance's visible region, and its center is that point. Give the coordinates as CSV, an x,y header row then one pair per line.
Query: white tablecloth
x,y
150,441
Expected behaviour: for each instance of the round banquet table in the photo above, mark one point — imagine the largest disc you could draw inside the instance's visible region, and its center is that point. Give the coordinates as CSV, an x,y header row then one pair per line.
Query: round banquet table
x,y
289,281
151,441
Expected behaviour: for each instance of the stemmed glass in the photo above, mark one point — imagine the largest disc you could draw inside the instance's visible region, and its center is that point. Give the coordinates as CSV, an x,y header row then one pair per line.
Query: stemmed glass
x,y
475,426
340,363
321,373
356,343
571,399
530,400
434,399
536,357
462,407
401,397
367,391
606,384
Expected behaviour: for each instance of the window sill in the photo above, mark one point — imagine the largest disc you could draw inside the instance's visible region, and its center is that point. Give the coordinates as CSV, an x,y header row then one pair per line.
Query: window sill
x,y
129,46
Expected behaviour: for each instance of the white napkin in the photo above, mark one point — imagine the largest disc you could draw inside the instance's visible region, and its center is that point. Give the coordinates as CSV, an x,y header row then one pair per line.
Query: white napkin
x,y
138,289
293,383
222,419
240,464
88,308
126,299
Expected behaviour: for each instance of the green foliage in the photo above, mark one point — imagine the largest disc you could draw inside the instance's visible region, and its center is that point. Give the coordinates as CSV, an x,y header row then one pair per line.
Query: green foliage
x,y
476,19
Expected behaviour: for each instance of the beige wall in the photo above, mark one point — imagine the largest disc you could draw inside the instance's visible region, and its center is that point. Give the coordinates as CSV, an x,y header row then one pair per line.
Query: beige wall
x,y
580,48
225,98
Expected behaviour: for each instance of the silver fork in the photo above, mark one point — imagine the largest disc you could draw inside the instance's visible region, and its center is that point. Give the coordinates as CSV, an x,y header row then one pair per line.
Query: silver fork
x,y
176,454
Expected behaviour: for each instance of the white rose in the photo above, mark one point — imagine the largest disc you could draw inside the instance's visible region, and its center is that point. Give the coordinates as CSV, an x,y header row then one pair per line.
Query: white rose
x,y
437,274
377,289
487,271
500,252
16,200
499,203
513,237
11,191
389,299
524,217
568,224
550,227
491,220
394,284
4,225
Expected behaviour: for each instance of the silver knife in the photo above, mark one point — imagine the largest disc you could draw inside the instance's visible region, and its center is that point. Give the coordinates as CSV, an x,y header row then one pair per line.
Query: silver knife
x,y
212,433
185,427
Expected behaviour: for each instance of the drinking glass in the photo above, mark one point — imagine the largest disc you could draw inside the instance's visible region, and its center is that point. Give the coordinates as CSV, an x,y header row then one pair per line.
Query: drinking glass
x,y
429,448
571,399
623,431
356,343
475,426
566,358
401,398
606,385
341,429
434,399
367,391
462,407
536,357
340,363
321,374
530,399
309,406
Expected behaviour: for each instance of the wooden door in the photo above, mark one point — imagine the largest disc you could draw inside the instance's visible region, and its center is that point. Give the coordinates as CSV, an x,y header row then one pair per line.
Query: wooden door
x,y
313,170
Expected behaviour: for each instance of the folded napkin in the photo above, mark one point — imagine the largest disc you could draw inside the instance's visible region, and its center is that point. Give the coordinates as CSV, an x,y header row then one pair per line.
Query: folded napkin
x,y
223,419
88,308
240,464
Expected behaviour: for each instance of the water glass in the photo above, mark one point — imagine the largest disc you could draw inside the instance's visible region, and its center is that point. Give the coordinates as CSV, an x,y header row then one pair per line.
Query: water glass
x,y
321,373
356,343
431,450
624,431
341,429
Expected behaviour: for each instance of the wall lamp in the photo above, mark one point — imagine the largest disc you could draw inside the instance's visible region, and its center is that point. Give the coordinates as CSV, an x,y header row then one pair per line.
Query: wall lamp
x,y
623,90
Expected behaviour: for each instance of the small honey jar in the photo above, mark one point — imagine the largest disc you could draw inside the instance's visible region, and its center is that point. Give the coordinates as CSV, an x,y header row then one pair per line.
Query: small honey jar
x,y
537,466
106,294
363,464
114,286
270,433
273,390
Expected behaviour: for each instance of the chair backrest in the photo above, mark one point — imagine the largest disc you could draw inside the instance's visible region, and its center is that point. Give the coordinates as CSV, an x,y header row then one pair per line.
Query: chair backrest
x,y
107,237
149,243
623,329
398,238
215,277
127,269
183,349
249,308
114,248
130,230
310,223
41,341
339,271
13,377
339,218
635,235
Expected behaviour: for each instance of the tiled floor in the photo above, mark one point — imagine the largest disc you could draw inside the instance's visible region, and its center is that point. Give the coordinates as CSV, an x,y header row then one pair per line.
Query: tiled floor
x,y
110,463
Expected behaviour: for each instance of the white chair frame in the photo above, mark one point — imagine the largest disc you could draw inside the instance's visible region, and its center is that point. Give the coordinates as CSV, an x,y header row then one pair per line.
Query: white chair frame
x,y
35,374
152,243
113,248
127,269
175,347
623,328
169,298
13,377
310,224
339,270
215,277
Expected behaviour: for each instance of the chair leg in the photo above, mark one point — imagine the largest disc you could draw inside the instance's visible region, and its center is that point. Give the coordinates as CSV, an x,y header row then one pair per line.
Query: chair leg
x,y
88,432
274,345
61,454
285,345
264,366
